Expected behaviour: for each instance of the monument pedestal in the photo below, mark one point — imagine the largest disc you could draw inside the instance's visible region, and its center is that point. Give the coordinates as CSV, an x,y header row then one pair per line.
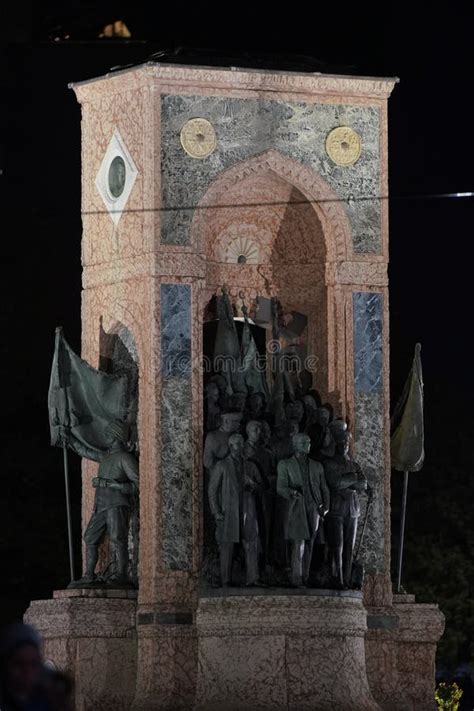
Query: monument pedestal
x,y
166,662
401,652
269,651
91,634
308,650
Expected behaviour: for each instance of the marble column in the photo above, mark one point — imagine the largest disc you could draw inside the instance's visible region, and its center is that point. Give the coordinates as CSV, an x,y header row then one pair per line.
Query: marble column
x,y
166,667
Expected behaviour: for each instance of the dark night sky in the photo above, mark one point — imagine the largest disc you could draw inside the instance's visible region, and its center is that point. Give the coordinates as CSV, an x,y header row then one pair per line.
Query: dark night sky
x,y
431,152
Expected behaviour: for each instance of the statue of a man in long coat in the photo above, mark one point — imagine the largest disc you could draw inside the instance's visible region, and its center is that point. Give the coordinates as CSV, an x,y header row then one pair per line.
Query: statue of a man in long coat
x,y
346,480
301,481
232,498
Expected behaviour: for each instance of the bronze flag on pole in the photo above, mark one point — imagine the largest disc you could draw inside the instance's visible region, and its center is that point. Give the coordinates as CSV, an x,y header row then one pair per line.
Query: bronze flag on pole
x,y
254,375
407,440
82,398
85,401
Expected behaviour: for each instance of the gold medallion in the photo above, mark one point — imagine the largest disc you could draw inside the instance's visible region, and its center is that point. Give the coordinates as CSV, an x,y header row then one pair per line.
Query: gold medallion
x,y
343,145
198,138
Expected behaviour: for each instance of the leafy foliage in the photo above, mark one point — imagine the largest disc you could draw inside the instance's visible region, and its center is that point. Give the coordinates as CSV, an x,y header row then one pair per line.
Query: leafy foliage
x,y
447,697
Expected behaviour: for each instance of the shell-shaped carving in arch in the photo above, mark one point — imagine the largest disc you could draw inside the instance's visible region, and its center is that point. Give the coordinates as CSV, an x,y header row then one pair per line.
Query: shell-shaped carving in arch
x,y
242,250
325,200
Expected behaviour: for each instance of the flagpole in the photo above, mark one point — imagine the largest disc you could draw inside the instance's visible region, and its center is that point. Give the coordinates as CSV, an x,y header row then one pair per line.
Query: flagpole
x,y
68,512
59,331
402,531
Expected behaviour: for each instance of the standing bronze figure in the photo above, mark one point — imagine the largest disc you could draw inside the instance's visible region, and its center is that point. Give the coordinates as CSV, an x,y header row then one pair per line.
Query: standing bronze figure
x,y
216,445
345,480
255,452
232,491
301,481
115,484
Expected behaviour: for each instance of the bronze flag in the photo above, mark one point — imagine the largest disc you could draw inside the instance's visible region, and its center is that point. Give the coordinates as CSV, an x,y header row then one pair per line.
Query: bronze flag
x,y
82,398
407,440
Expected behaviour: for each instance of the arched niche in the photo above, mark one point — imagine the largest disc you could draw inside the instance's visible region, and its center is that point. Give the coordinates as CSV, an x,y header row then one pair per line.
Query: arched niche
x,y
271,227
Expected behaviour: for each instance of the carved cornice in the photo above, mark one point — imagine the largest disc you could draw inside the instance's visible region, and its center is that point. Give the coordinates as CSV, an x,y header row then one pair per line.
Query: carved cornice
x,y
174,264
420,622
323,615
226,78
83,617
358,273
189,265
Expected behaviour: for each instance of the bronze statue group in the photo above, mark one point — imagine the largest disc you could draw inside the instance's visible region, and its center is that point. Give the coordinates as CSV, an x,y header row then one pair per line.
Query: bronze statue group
x,y
278,472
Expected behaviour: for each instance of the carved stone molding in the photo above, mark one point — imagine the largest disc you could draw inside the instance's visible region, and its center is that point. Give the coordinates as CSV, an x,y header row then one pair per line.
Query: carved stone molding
x,y
261,80
357,273
175,264
83,617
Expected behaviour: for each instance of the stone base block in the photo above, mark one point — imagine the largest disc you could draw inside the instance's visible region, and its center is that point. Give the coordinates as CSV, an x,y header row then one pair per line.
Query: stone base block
x,y
93,638
401,654
282,652
167,662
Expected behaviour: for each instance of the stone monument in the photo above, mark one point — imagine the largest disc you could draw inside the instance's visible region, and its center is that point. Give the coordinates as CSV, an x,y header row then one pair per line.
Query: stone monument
x,y
268,184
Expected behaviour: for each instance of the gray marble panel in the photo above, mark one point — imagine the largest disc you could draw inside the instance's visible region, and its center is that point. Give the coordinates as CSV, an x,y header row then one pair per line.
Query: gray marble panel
x,y
247,127
369,452
368,341
176,426
176,330
176,473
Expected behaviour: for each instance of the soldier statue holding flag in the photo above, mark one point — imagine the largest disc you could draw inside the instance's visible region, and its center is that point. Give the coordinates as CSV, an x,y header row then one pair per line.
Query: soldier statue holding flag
x,y
89,412
115,485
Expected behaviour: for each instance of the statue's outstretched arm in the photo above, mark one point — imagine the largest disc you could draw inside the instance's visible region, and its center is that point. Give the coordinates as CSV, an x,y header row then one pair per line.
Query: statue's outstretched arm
x,y
80,448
